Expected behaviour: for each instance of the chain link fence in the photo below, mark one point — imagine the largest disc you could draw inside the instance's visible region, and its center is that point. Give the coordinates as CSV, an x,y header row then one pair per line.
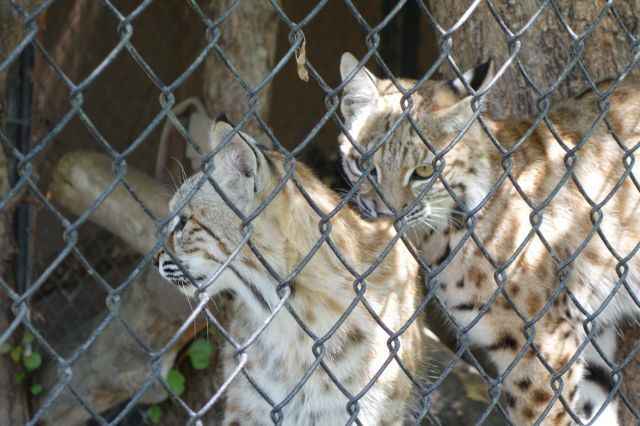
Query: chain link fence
x,y
73,281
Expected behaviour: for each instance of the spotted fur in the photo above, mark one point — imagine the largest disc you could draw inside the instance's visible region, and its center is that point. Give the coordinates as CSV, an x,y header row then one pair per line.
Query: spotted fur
x,y
207,232
542,286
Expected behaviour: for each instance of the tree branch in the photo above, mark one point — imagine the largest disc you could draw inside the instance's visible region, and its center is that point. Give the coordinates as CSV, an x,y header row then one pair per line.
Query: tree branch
x,y
115,366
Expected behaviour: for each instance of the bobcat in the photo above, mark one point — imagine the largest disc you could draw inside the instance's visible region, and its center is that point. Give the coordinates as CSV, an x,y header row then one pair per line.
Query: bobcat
x,y
534,247
354,348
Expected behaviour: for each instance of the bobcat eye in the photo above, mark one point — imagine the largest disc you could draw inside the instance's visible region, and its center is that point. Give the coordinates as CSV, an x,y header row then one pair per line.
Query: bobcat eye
x,y
362,167
354,167
423,172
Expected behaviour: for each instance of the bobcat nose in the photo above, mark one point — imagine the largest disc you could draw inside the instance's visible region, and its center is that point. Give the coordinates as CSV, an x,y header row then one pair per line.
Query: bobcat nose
x,y
383,210
379,208
368,207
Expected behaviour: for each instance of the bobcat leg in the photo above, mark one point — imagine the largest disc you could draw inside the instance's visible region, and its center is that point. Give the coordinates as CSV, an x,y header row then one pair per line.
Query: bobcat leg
x,y
528,386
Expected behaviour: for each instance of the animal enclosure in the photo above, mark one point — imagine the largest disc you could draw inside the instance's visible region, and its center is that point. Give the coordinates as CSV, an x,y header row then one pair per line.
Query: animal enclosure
x,y
105,107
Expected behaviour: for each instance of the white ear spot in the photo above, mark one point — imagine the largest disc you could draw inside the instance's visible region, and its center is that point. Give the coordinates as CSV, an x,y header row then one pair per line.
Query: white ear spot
x,y
477,77
458,85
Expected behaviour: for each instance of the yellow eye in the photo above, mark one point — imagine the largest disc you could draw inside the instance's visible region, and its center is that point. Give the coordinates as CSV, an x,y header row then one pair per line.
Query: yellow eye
x,y
423,172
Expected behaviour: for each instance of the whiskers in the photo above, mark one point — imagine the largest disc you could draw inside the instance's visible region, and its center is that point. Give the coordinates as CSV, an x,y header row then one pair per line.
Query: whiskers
x,y
174,185
183,176
195,327
204,312
431,218
451,217
167,194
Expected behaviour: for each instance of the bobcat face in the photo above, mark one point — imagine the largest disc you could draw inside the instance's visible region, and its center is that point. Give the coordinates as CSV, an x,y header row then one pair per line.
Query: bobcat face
x,y
401,174
206,230
196,240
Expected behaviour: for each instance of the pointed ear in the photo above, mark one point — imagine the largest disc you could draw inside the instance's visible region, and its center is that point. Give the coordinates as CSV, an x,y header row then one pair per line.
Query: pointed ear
x,y
238,165
455,118
360,92
477,77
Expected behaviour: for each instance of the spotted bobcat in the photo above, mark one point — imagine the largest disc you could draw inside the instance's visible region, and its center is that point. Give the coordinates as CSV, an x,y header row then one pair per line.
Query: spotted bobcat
x,y
579,252
376,343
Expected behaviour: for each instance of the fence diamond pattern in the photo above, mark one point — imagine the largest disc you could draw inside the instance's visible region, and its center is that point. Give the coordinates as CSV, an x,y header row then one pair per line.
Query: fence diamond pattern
x,y
21,155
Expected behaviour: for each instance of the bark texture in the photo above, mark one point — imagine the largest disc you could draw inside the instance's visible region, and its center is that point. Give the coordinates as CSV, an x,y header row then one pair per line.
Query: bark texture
x,y
13,406
630,385
248,39
13,409
546,49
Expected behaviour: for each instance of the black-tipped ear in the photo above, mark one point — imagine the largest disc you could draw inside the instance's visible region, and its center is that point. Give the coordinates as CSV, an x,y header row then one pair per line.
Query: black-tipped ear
x,y
236,164
477,77
241,158
223,118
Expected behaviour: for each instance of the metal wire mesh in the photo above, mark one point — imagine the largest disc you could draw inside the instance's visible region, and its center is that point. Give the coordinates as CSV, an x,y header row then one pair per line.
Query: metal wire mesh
x,y
76,252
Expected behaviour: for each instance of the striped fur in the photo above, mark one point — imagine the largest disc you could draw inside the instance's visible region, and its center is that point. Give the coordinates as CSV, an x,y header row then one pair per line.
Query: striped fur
x,y
207,232
532,260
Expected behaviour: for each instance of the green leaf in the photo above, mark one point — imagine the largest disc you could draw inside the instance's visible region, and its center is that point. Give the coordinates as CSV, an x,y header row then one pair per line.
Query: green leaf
x,y
36,389
19,377
201,345
16,353
176,381
199,353
27,338
33,361
154,414
5,348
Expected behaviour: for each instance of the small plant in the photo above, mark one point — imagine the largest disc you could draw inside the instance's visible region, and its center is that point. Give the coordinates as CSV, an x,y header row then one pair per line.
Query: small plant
x,y
154,414
176,381
199,353
28,359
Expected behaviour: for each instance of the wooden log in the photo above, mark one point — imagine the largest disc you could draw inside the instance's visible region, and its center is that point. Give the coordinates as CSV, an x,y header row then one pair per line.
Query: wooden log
x,y
114,367
82,176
